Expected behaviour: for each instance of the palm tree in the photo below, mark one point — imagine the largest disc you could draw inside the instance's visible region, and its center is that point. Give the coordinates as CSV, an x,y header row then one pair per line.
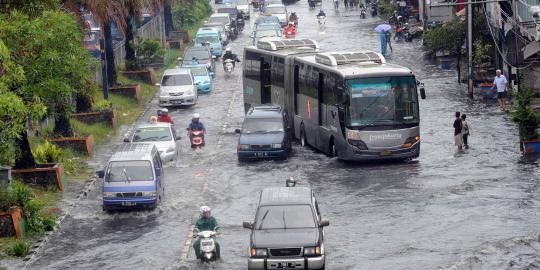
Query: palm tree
x,y
133,9
166,5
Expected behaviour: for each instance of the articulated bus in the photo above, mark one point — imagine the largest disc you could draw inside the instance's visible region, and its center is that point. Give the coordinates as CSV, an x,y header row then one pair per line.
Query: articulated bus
x,y
352,105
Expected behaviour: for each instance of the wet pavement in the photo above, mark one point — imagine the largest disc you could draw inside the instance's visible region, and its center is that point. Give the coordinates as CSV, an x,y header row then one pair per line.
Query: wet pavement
x,y
446,210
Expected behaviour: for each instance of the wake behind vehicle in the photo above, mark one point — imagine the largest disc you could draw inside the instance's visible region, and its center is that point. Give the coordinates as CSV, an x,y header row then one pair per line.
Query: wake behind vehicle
x,y
352,105
133,178
177,88
265,134
288,231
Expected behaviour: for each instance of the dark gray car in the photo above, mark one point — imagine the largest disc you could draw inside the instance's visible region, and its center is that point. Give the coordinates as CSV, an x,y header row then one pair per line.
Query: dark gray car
x,y
288,231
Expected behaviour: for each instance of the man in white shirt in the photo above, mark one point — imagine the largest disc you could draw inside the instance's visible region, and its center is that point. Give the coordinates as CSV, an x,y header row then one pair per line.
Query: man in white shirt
x,y
501,84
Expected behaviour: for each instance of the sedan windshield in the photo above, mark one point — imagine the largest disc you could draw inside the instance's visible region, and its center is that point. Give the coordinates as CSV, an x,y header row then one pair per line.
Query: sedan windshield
x,y
219,19
266,33
284,217
263,125
204,39
199,54
199,71
242,2
152,134
174,80
133,170
383,100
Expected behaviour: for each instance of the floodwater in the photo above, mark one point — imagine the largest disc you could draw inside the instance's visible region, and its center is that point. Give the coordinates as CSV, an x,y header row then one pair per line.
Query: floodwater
x,y
479,209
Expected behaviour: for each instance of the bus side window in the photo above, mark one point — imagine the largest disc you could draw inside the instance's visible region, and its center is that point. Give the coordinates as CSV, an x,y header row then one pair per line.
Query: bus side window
x,y
296,87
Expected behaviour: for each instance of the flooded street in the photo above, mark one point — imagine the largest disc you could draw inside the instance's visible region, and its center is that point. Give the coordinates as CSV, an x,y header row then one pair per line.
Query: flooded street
x,y
446,210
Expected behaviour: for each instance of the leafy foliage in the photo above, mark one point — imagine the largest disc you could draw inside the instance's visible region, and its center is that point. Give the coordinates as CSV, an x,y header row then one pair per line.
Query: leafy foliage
x,y
481,52
7,200
149,51
186,15
48,153
446,37
524,115
19,249
386,8
102,105
48,48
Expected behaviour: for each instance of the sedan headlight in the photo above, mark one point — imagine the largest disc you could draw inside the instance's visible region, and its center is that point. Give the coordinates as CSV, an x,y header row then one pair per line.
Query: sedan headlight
x,y
411,141
149,194
259,252
243,147
276,145
312,251
109,194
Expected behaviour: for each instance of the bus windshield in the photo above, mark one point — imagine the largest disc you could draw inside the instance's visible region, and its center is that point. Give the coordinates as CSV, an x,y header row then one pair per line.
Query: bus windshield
x,y
209,38
383,101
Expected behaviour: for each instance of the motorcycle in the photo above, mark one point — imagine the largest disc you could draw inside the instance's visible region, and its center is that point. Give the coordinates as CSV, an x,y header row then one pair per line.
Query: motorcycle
x,y
290,33
208,244
228,66
197,138
321,20
363,13
311,4
240,23
233,32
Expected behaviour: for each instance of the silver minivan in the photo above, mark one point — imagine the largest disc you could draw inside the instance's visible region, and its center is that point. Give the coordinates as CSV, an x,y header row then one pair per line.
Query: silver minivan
x,y
177,87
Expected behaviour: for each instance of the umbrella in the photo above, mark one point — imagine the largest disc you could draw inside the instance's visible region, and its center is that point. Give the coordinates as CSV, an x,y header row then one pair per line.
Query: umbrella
x,y
383,27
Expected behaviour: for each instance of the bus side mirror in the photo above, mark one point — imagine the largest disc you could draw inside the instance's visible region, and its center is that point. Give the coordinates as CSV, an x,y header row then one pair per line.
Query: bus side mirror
x,y
158,171
422,91
100,173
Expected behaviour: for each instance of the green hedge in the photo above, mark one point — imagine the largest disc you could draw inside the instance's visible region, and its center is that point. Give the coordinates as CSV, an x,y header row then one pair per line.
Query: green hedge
x,y
185,16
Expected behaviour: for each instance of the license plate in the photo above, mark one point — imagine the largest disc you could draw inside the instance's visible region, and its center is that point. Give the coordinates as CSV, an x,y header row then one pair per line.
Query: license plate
x,y
206,244
177,101
385,153
129,203
262,154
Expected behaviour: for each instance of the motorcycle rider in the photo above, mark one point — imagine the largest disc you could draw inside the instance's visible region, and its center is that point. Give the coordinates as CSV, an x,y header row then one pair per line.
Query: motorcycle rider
x,y
195,124
194,61
205,223
289,29
240,20
293,18
321,14
230,56
163,116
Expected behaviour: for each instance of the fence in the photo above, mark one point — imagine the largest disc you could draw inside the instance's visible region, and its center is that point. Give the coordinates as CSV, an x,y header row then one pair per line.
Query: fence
x,y
151,29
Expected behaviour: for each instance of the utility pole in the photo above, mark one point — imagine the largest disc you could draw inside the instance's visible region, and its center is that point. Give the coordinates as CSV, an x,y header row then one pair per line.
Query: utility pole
x,y
469,49
104,79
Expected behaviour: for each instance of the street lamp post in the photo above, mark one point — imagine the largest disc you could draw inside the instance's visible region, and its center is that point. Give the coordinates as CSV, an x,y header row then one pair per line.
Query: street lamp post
x,y
104,79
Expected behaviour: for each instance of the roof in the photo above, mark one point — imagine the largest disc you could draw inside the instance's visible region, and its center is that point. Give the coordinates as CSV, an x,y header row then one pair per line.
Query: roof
x,y
134,151
275,5
285,195
176,71
220,15
264,111
358,69
205,30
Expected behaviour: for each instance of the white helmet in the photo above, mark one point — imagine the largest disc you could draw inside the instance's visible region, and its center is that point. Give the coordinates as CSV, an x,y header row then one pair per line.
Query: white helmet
x,y
204,209
228,49
164,110
196,116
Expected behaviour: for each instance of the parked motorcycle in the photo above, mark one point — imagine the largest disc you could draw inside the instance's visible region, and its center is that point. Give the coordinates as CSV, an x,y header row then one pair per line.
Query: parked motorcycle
x,y
197,138
240,23
208,244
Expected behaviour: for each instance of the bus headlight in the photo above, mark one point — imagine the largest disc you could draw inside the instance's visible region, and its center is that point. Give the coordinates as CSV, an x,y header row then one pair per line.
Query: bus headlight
x,y
411,141
358,144
353,134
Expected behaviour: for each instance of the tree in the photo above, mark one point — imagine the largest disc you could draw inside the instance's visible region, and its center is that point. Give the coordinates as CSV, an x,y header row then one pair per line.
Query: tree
x,y
34,8
48,49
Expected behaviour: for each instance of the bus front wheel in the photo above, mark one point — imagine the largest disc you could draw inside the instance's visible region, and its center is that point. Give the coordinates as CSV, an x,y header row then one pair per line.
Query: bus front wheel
x,y
332,149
